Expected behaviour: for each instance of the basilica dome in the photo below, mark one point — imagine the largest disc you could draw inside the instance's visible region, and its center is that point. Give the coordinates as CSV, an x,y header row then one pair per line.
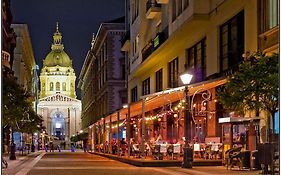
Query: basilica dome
x,y
57,56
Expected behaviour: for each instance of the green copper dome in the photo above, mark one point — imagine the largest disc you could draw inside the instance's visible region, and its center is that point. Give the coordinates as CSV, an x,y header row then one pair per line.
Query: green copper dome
x,y
57,57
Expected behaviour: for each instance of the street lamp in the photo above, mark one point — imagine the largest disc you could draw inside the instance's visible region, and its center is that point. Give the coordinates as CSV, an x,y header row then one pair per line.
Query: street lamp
x,y
188,152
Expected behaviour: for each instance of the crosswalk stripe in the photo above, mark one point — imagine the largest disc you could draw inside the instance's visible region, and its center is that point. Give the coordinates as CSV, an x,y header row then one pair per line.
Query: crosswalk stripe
x,y
29,166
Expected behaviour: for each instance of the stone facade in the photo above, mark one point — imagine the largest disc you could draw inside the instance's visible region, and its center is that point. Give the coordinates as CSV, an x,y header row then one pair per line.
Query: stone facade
x,y
60,109
105,66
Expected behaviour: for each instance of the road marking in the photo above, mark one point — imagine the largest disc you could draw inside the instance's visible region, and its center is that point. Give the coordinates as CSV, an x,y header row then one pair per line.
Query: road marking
x,y
29,166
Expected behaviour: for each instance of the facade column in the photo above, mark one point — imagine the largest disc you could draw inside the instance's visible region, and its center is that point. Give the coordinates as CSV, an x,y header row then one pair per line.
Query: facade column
x,y
94,137
118,133
213,129
164,124
67,128
104,135
143,128
75,126
110,135
128,129
99,135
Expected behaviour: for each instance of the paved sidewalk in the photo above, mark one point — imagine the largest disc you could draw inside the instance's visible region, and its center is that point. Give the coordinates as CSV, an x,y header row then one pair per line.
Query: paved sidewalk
x,y
214,170
20,159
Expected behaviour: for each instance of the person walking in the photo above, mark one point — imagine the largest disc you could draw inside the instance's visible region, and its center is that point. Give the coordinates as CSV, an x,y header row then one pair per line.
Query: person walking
x,y
51,147
46,147
58,147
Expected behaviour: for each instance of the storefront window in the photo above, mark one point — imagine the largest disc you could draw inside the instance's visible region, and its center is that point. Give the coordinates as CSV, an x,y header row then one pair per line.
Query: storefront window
x,y
239,135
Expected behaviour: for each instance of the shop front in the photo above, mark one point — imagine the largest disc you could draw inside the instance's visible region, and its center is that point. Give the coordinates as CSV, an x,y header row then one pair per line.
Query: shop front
x,y
153,127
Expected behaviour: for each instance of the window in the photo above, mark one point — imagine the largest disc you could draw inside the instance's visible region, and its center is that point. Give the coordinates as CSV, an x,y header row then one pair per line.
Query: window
x,y
123,71
134,94
146,86
185,4
174,10
269,15
57,86
135,10
64,86
178,6
196,59
232,42
105,51
136,44
51,86
159,80
173,73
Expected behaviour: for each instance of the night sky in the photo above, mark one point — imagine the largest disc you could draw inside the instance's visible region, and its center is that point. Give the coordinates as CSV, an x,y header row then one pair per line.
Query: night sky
x,y
78,20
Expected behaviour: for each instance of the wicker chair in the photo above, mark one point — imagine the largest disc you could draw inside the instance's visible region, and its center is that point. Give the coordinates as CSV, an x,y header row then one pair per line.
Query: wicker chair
x,y
233,157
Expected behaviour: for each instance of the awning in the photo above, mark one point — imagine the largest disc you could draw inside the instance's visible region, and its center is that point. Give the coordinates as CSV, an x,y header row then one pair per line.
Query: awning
x,y
159,99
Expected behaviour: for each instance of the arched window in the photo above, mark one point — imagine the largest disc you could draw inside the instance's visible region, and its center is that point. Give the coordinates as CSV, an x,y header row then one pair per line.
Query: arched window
x,y
51,86
64,86
57,86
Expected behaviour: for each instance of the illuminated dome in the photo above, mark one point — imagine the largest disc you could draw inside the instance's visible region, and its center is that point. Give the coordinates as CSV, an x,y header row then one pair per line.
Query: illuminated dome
x,y
57,57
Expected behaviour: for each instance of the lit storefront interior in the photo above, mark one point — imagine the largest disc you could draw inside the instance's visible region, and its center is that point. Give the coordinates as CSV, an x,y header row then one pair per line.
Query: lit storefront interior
x,y
156,128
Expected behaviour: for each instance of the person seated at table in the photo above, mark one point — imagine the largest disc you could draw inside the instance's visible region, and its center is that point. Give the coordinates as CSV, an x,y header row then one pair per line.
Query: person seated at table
x,y
152,140
136,149
114,146
123,145
159,139
147,148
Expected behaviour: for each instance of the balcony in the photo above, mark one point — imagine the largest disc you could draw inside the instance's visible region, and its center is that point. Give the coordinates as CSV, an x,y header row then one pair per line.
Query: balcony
x,y
268,40
162,1
5,59
152,9
156,42
125,42
147,50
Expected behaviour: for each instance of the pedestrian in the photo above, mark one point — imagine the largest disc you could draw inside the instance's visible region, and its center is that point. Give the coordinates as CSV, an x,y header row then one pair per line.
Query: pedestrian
x,y
72,148
85,148
46,147
51,147
58,147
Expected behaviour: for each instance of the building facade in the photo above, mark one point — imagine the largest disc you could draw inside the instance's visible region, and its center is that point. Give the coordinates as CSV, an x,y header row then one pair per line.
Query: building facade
x,y
24,68
24,61
102,78
58,105
8,39
207,38
7,56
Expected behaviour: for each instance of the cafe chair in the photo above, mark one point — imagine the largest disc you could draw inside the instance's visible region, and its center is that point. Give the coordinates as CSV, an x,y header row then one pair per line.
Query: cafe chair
x,y
233,157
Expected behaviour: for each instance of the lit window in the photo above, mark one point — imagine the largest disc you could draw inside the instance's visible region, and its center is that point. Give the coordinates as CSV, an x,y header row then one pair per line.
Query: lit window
x,y
58,125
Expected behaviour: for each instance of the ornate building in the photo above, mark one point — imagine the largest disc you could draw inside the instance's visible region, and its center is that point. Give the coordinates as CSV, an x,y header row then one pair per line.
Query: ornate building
x,y
104,65
58,104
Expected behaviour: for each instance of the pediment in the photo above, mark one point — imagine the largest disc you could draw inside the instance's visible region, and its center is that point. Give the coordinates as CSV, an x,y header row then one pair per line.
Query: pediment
x,y
58,97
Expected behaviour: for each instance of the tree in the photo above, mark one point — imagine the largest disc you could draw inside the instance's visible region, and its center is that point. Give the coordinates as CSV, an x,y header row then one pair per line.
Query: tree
x,y
254,87
18,114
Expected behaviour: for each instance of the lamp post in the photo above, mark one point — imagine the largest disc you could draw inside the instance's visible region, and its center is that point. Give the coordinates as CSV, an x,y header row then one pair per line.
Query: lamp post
x,y
188,151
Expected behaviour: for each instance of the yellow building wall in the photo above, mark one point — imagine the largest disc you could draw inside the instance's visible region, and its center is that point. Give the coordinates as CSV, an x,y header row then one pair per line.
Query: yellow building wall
x,y
185,36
